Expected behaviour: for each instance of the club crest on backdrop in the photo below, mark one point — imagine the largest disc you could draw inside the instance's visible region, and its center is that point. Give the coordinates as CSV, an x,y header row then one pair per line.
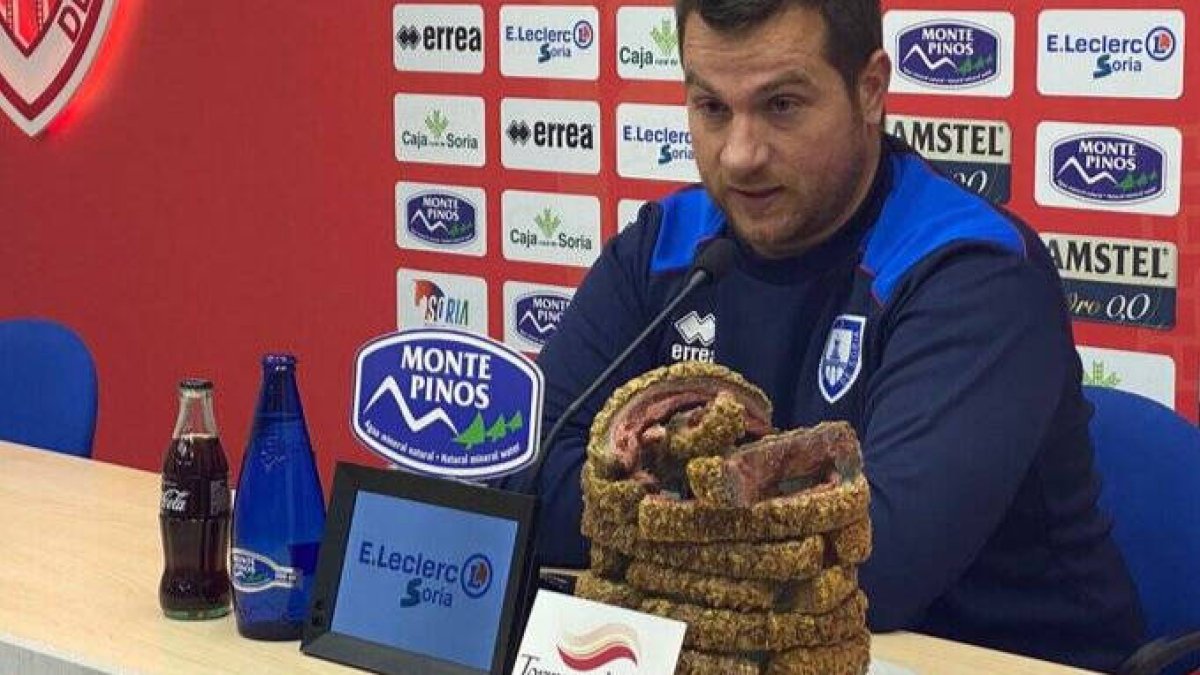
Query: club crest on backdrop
x,y
46,48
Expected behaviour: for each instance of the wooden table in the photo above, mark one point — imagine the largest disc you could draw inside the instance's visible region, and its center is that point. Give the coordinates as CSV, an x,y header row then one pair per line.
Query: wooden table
x,y
80,559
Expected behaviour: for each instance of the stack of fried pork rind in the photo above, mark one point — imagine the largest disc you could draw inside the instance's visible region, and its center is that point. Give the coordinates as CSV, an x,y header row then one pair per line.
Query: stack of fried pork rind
x,y
697,511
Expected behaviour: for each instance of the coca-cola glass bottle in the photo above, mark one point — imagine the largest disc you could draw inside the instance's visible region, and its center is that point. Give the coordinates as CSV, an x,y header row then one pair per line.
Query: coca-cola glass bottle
x,y
279,516
194,511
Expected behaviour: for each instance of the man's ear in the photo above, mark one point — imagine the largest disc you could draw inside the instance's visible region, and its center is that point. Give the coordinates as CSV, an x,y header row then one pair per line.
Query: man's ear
x,y
873,81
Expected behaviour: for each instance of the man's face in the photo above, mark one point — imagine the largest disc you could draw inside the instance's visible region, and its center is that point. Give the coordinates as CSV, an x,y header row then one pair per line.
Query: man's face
x,y
780,143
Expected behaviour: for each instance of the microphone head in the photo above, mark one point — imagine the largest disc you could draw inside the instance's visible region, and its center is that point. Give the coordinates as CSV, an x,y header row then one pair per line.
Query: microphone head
x,y
716,258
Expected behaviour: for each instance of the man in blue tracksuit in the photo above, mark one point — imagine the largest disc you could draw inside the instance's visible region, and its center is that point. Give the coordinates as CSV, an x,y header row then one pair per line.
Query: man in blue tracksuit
x,y
868,288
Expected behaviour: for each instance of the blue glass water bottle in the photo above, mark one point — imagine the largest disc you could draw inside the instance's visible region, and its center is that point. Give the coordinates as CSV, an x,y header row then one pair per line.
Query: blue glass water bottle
x,y
279,512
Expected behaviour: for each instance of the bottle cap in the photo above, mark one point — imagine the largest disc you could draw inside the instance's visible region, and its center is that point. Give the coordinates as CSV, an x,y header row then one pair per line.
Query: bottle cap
x,y
196,384
278,359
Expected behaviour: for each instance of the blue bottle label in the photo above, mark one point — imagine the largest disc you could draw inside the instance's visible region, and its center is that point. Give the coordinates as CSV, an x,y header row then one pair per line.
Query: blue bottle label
x,y
253,572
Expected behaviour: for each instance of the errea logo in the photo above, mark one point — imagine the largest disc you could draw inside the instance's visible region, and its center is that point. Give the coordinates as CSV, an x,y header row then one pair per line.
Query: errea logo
x,y
550,135
437,38
1112,53
950,53
698,334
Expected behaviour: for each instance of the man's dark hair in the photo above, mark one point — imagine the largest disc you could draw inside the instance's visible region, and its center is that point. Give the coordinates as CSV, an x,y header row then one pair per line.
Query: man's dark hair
x,y
853,28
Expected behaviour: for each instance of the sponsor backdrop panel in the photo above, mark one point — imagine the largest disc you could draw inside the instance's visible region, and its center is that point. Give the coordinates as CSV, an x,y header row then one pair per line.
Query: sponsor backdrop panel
x,y
1074,118
309,178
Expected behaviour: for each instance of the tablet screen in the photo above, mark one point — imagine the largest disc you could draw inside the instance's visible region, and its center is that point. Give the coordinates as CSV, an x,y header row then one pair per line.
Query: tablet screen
x,y
425,579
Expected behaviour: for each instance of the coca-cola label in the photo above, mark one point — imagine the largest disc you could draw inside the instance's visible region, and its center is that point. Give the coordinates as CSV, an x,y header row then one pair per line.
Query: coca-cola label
x,y
174,501
194,498
253,572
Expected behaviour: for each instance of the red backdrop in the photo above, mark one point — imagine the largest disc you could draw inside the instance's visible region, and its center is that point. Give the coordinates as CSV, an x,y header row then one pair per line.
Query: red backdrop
x,y
222,186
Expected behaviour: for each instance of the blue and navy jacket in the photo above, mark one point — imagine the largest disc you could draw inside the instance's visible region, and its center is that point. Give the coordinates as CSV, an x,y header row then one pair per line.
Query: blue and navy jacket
x,y
933,323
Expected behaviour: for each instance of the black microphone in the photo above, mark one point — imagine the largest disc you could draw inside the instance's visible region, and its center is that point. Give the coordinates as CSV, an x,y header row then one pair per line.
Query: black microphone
x,y
713,262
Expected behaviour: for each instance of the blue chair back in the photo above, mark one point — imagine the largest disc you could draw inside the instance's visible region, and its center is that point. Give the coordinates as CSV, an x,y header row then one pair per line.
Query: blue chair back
x,y
1149,460
47,387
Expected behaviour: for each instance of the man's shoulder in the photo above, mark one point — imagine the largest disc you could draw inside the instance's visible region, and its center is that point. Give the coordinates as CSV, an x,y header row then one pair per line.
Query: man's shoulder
x,y
928,217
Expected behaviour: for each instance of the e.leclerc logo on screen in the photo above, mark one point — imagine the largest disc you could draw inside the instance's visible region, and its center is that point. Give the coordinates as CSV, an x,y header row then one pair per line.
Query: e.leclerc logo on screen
x,y
1108,168
950,54
432,580
447,403
441,217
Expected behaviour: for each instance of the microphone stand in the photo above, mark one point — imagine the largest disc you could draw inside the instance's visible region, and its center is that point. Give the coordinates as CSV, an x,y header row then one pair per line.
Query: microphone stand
x,y
714,260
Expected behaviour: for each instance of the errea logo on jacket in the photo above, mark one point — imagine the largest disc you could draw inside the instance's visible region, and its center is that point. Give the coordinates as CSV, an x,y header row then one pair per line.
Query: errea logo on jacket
x,y
698,335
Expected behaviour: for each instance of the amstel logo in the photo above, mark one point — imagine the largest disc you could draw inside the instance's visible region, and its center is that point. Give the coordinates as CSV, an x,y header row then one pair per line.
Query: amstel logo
x,y
46,48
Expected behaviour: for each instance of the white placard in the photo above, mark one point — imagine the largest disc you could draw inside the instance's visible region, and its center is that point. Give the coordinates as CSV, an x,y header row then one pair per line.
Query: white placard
x,y
1149,375
547,227
442,218
648,44
654,142
439,300
950,53
564,630
440,129
550,135
627,212
550,41
532,313
1109,167
438,38
1112,53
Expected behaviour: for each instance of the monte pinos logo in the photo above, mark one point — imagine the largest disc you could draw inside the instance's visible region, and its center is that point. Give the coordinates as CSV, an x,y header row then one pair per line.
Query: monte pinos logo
x,y
441,217
599,647
46,48
533,313
1108,168
948,54
447,403
951,53
1125,168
